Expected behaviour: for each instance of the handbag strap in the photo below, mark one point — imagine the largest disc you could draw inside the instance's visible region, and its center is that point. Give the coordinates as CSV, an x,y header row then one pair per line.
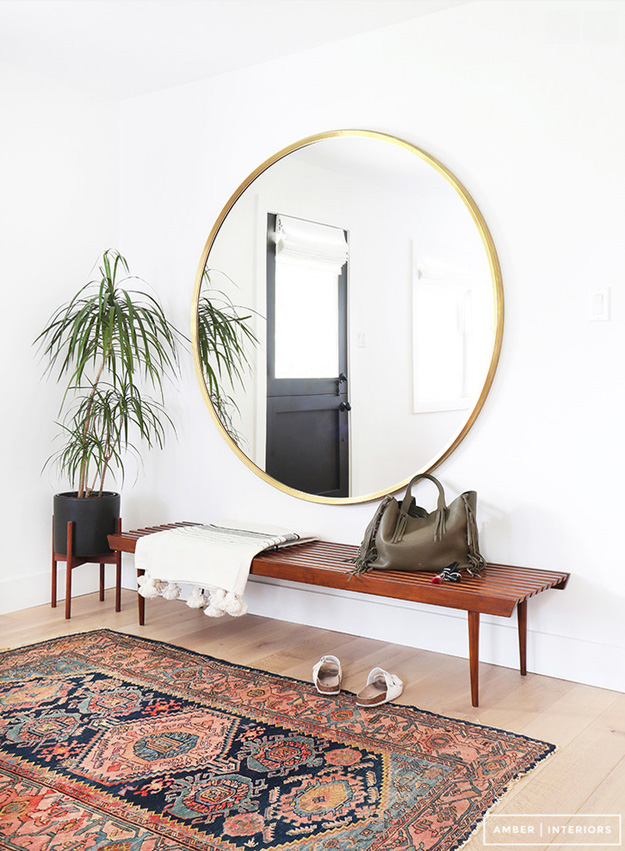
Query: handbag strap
x,y
402,518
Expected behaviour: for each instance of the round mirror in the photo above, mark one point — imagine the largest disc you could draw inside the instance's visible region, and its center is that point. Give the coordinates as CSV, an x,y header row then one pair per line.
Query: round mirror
x,y
348,315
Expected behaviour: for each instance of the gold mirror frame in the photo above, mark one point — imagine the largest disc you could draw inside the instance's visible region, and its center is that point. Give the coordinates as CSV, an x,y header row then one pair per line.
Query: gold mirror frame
x,y
498,304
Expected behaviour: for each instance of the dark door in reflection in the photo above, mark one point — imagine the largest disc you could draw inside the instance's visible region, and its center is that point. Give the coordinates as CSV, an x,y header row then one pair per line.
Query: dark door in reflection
x,y
307,386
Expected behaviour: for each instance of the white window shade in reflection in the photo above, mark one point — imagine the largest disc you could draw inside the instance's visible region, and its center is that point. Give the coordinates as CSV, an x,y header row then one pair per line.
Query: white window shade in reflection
x,y
310,244
309,260
443,356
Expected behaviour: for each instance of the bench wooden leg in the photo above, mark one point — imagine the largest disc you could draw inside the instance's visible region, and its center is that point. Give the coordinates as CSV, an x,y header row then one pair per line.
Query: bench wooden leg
x,y
521,611
140,600
474,654
101,582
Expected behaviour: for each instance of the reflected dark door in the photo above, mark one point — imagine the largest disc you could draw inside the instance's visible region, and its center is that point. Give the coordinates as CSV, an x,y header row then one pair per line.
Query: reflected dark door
x,y
307,386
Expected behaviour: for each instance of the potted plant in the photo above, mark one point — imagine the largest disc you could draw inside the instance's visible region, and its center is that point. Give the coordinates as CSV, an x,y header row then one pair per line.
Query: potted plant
x,y
108,344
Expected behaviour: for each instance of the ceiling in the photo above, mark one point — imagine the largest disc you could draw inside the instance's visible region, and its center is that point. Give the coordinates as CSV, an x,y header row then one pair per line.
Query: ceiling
x,y
124,48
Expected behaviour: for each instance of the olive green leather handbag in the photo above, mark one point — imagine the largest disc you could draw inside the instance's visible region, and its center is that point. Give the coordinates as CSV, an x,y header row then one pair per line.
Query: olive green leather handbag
x,y
407,537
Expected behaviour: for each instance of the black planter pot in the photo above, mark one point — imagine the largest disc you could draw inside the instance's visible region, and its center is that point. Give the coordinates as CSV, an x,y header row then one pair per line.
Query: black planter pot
x,y
94,518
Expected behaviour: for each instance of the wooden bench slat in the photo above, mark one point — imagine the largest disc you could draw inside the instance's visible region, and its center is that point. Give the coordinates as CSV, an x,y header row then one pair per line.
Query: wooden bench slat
x,y
497,579
525,579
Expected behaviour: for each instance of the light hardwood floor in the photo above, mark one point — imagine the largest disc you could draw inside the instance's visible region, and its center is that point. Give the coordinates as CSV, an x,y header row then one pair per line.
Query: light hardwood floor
x,y
586,775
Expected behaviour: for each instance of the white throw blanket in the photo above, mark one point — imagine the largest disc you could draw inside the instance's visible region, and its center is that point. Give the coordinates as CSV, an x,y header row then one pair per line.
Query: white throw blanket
x,y
214,557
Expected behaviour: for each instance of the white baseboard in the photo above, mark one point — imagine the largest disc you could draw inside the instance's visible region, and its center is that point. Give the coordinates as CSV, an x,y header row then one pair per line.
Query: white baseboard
x,y
439,630
399,622
35,589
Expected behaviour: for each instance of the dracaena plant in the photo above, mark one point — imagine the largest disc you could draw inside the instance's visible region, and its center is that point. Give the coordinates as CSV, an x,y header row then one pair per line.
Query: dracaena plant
x,y
224,337
112,346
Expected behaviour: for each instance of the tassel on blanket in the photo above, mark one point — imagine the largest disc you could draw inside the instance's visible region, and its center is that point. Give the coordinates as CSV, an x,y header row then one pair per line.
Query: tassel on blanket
x,y
221,603
149,587
197,599
171,591
234,605
212,612
215,604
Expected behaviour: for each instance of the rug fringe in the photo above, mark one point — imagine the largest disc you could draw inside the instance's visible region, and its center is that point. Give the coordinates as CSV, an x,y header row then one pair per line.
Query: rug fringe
x,y
478,827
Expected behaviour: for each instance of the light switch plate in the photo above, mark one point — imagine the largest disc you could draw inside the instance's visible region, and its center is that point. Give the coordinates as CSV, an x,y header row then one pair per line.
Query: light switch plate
x,y
599,304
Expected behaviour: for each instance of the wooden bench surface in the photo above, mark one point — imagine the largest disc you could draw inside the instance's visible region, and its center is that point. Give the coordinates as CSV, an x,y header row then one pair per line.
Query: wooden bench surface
x,y
497,591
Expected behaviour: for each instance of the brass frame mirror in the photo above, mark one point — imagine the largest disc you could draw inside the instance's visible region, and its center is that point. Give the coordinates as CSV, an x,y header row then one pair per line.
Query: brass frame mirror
x,y
450,309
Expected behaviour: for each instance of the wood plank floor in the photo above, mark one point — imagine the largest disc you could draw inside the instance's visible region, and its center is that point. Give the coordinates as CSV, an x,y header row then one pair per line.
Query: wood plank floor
x,y
585,775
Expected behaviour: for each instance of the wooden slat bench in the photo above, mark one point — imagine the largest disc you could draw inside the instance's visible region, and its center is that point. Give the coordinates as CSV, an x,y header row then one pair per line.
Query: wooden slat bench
x,y
497,592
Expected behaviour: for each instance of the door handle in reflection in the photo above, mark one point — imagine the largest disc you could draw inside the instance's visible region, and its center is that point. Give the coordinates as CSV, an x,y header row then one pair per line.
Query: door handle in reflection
x,y
345,406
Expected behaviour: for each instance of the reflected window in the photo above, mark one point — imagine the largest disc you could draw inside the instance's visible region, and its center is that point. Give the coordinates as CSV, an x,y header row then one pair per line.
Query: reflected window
x,y
307,331
309,258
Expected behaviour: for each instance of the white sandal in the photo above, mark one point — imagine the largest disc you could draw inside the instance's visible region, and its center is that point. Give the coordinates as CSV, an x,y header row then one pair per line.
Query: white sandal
x,y
327,675
381,688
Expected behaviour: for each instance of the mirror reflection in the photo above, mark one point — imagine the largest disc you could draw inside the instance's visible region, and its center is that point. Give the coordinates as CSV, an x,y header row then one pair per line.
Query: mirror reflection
x,y
349,312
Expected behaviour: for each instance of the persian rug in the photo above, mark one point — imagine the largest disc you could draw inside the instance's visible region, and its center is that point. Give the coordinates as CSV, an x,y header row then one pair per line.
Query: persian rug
x,y
118,743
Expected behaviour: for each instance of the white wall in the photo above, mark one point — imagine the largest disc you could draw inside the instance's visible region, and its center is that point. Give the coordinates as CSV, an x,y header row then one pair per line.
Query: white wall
x,y
534,129
58,212
524,103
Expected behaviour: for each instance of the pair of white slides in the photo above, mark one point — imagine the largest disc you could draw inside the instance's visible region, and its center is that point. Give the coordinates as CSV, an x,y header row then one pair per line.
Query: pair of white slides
x,y
381,686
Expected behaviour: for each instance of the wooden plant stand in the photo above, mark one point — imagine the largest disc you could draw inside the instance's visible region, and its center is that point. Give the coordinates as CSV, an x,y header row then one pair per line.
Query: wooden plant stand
x,y
73,561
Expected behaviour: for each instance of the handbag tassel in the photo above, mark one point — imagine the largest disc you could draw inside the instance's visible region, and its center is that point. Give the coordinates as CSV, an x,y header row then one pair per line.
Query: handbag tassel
x,y
368,552
476,559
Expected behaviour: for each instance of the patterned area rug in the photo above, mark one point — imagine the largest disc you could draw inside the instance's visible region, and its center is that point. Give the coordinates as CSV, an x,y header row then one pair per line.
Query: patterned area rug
x,y
117,743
